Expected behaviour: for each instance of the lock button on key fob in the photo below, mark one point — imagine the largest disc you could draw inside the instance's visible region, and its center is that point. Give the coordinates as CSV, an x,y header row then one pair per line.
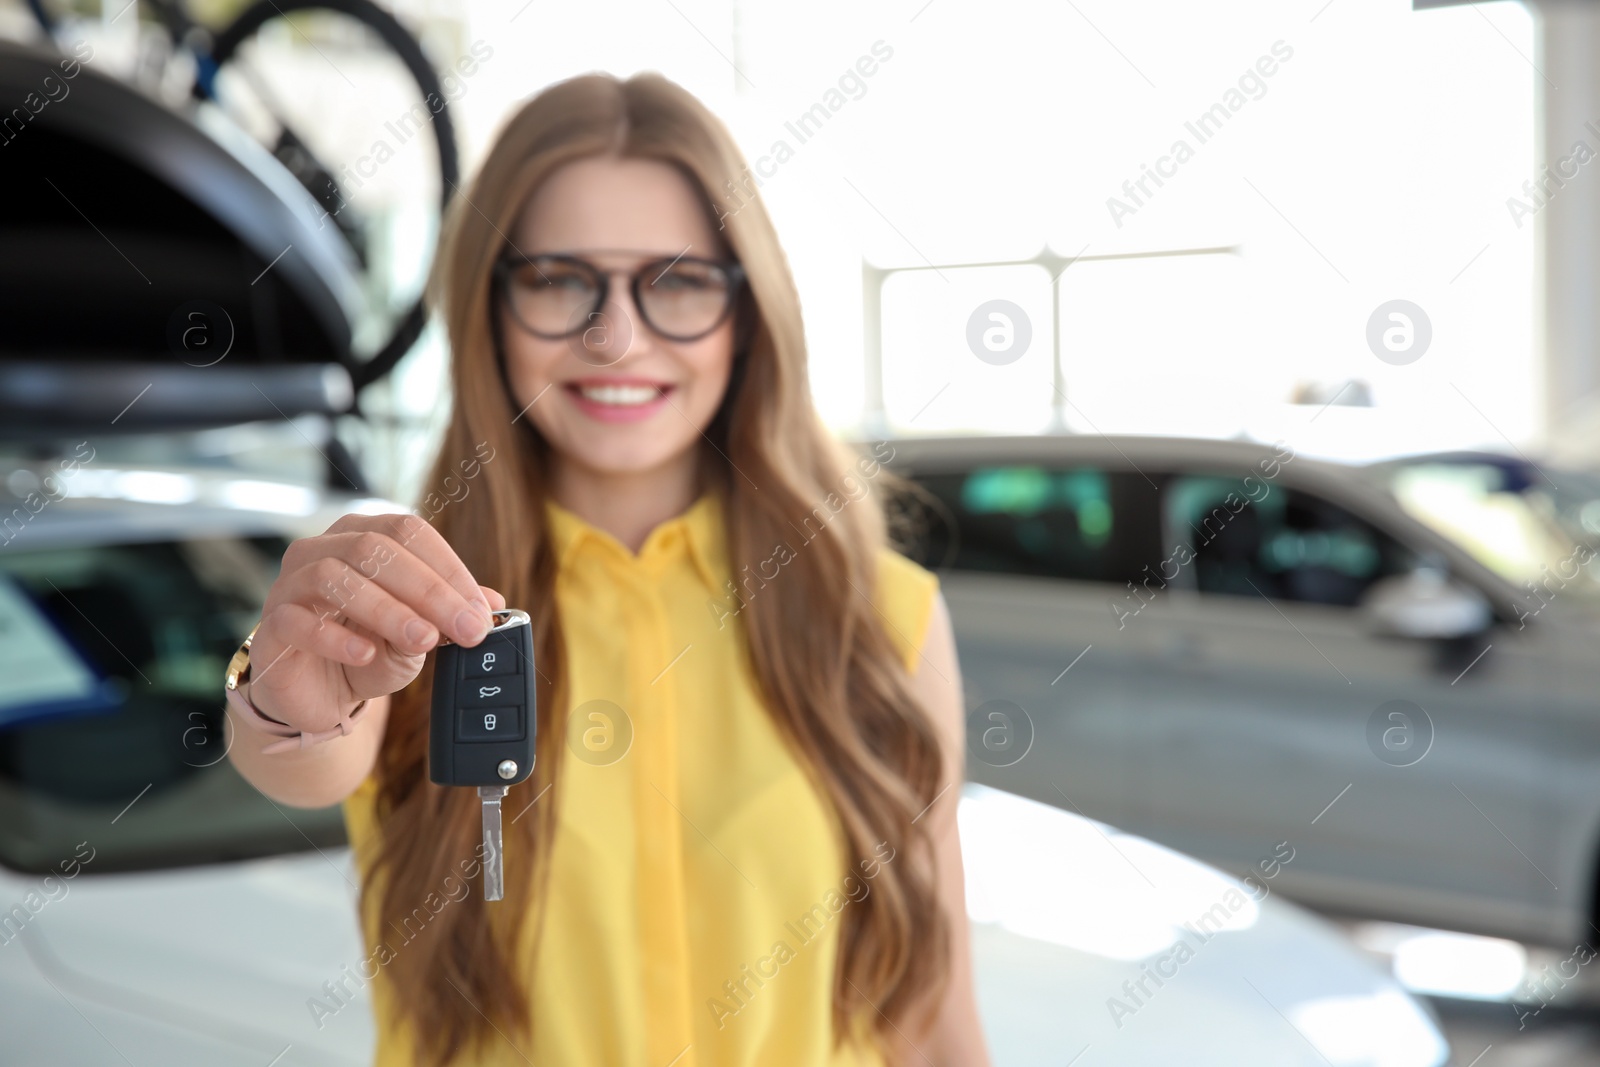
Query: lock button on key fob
x,y
499,653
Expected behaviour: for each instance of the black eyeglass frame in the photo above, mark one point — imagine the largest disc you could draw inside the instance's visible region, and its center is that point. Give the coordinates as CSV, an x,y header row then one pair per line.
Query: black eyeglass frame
x,y
504,266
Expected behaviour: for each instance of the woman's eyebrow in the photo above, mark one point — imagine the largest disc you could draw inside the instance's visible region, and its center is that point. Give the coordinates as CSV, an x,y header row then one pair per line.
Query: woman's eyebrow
x,y
644,253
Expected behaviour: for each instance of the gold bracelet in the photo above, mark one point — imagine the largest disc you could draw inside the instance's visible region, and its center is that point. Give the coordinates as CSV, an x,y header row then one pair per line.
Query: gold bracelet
x,y
238,674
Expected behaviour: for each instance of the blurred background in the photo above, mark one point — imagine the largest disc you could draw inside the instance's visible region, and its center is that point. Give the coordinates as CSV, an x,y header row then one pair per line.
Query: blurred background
x,y
1246,356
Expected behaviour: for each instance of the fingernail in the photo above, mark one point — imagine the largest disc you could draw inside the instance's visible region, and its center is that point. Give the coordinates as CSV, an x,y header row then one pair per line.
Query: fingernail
x,y
419,632
471,626
360,649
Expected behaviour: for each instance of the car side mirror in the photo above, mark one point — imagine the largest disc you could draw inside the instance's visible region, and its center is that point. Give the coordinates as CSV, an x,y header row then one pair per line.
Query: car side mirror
x,y
1426,603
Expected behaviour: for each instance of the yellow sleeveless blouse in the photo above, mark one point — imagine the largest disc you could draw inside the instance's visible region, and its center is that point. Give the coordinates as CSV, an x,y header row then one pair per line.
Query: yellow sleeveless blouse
x,y
697,877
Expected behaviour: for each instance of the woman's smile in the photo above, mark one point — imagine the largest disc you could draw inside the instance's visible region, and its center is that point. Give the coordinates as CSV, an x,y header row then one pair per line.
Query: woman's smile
x,y
618,399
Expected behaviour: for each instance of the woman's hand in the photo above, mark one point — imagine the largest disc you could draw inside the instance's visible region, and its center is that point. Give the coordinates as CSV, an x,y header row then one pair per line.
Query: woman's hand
x,y
353,614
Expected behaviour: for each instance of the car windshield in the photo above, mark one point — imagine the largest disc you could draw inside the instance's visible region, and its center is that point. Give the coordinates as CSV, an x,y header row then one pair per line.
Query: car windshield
x,y
111,710
1517,528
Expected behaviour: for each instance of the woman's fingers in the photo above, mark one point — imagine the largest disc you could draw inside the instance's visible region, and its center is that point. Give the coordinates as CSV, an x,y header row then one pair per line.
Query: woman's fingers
x,y
333,590
422,541
376,559
356,608
297,626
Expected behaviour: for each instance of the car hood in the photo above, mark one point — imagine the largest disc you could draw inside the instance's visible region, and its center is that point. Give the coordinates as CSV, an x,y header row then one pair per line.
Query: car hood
x,y
1096,944
214,965
1070,918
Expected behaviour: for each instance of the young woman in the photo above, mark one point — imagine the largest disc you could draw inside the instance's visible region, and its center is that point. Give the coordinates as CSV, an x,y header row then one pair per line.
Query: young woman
x,y
739,845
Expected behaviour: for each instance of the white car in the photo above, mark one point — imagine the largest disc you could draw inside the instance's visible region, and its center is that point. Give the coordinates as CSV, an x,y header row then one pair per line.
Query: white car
x,y
156,910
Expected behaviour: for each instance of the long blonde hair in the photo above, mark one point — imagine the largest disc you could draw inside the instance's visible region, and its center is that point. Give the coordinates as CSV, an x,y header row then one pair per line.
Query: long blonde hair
x,y
826,668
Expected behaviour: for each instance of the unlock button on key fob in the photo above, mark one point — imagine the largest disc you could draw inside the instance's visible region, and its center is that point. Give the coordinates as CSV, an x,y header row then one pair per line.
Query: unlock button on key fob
x,y
490,724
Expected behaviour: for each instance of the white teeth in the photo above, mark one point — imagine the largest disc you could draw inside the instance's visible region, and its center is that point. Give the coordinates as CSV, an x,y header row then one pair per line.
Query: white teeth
x,y
622,395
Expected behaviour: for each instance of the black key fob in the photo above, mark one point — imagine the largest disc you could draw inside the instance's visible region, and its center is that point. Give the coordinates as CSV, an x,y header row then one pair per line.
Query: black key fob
x,y
481,730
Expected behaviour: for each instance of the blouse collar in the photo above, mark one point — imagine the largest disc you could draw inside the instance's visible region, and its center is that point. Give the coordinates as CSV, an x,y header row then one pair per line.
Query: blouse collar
x,y
697,530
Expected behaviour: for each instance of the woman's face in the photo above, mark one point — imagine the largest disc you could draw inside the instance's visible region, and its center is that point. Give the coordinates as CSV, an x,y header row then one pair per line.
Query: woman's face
x,y
618,397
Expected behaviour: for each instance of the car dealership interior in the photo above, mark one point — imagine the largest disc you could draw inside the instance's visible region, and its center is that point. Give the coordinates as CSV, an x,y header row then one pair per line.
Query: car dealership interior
x,y
1224,377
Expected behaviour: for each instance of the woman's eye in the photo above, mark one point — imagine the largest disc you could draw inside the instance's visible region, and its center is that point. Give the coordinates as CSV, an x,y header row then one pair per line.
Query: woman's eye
x,y
685,279
553,280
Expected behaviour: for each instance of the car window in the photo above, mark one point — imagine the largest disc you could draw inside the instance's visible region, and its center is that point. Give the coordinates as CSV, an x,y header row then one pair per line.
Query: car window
x,y
111,711
1523,531
1079,523
1249,537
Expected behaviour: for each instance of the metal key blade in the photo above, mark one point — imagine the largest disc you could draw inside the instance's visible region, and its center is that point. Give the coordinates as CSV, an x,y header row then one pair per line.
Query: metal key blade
x,y
493,874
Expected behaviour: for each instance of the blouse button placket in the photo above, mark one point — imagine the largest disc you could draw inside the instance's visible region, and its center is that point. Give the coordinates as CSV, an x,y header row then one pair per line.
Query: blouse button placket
x,y
657,805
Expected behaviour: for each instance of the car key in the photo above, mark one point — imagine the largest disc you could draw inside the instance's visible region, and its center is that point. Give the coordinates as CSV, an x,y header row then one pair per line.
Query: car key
x,y
482,725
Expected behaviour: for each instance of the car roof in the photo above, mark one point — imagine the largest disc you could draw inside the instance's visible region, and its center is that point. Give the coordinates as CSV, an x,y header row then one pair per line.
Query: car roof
x,y
1124,450
1139,453
1052,447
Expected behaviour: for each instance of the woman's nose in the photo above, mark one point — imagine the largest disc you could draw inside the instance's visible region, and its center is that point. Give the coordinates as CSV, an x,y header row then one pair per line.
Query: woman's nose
x,y
616,330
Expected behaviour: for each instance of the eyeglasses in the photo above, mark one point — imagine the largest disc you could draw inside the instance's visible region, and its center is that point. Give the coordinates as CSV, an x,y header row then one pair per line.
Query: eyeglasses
x,y
557,295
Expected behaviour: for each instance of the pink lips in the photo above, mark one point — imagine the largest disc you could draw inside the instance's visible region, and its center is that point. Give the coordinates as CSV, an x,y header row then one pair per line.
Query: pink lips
x,y
608,412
